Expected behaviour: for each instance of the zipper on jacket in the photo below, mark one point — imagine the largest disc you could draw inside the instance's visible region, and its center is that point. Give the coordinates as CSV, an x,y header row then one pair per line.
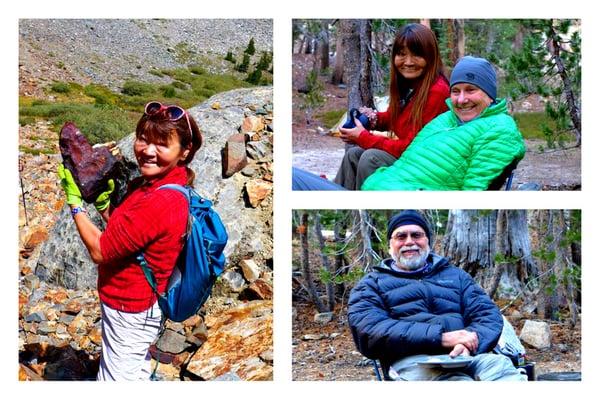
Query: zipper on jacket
x,y
429,295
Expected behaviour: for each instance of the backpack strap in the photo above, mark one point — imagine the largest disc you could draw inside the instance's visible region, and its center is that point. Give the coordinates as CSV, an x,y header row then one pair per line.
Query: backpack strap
x,y
187,192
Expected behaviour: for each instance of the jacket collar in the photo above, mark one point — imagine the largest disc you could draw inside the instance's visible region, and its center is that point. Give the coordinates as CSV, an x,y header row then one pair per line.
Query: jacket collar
x,y
177,175
499,107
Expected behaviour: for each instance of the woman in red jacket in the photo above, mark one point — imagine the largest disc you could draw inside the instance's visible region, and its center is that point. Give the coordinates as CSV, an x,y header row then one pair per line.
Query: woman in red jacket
x,y
418,90
148,220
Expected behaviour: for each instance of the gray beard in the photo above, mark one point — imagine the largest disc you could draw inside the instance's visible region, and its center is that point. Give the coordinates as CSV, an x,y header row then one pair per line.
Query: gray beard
x,y
412,263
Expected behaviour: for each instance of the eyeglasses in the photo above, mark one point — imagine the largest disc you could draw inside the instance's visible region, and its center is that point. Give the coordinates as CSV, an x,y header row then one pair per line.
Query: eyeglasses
x,y
174,113
402,236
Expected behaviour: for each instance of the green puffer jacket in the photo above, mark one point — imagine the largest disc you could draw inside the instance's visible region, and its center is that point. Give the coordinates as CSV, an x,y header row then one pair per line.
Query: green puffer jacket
x,y
447,155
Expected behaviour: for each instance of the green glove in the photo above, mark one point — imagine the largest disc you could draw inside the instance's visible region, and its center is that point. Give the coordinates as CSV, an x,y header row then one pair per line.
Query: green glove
x,y
69,186
103,200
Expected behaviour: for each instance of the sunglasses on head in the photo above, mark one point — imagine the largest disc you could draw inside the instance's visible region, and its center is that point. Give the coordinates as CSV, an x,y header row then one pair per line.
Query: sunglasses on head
x,y
174,113
402,236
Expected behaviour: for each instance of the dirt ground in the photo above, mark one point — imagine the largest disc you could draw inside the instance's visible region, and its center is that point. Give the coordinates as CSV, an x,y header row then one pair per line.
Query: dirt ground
x,y
327,352
315,151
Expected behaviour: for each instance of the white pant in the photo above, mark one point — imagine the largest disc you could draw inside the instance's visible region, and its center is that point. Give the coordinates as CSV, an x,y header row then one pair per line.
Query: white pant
x,y
126,338
484,367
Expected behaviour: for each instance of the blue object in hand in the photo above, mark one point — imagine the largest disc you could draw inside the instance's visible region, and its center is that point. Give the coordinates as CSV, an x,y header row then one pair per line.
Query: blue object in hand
x,y
352,114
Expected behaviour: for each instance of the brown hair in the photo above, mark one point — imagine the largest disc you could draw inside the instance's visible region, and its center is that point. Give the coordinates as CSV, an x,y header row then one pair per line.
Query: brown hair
x,y
421,41
159,129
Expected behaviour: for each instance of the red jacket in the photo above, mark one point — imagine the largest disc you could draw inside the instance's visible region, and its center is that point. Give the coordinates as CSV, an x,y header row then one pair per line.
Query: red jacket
x,y
404,130
149,220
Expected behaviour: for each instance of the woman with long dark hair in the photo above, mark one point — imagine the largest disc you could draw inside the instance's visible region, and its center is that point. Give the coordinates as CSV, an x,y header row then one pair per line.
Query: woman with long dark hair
x,y
148,221
418,90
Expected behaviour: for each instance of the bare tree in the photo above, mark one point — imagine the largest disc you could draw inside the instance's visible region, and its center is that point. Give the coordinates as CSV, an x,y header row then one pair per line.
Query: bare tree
x,y
306,272
323,45
338,70
330,288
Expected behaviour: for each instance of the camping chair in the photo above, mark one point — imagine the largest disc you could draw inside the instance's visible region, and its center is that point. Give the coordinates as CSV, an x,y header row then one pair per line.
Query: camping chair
x,y
505,177
381,373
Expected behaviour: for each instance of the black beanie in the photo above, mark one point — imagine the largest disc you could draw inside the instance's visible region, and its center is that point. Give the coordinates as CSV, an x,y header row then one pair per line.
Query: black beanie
x,y
408,217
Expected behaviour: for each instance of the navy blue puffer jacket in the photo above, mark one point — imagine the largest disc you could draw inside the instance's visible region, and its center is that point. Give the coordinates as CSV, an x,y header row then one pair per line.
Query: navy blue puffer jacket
x,y
393,314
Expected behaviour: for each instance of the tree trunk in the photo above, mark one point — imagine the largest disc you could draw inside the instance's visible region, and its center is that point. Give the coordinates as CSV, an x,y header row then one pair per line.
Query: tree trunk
x,y
339,235
326,264
357,62
324,45
312,290
469,241
514,262
338,69
459,39
547,296
365,231
574,112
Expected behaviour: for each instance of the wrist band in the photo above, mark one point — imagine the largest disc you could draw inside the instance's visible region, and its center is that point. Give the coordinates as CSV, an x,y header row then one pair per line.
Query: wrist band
x,y
77,210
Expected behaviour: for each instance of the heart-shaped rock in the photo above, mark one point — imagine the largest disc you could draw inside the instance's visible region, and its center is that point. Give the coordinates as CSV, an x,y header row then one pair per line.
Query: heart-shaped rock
x,y
91,167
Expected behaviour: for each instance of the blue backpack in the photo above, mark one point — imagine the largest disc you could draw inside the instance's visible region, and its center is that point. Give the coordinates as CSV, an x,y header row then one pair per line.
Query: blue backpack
x,y
199,264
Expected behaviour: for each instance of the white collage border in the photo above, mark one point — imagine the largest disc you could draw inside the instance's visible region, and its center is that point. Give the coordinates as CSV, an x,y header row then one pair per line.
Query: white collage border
x,y
285,200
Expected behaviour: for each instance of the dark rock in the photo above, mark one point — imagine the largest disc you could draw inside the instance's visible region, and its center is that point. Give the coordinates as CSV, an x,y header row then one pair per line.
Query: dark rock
x,y
35,317
171,342
91,167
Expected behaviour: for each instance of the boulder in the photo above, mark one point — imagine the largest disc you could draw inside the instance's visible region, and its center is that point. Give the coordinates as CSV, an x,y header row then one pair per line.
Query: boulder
x,y
247,329
536,334
65,261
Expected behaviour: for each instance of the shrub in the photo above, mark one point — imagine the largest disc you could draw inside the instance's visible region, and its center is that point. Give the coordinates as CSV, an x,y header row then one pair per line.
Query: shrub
x,y
254,77
134,88
168,91
101,94
60,87
197,69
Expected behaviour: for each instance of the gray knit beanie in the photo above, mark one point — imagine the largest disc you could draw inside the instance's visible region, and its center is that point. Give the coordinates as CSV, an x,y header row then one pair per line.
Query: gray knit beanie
x,y
476,71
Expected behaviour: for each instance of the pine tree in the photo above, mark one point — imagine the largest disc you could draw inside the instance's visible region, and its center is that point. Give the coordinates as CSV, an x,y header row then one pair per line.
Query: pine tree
x,y
250,49
254,77
243,67
229,57
549,64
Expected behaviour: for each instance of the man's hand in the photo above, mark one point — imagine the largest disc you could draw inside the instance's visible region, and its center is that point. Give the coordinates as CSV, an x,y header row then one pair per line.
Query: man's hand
x,y
459,350
69,186
352,134
103,200
464,337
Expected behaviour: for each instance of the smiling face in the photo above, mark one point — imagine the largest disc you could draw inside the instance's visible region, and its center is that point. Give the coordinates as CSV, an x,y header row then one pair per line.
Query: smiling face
x,y
156,159
409,247
409,65
468,101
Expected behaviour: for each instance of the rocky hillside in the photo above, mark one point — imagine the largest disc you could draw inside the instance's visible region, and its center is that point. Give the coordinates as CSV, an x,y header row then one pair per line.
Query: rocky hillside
x,y
59,326
108,52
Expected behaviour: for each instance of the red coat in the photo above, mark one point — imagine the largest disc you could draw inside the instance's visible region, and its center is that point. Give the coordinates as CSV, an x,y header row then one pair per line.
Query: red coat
x,y
404,130
149,220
